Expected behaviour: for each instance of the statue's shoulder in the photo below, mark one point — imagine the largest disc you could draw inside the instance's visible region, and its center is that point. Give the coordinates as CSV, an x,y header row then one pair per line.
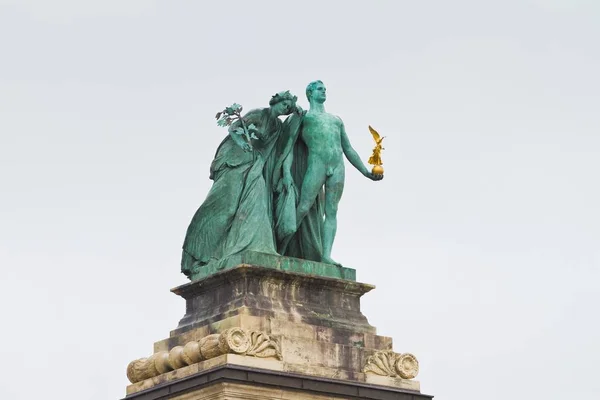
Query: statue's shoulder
x,y
336,118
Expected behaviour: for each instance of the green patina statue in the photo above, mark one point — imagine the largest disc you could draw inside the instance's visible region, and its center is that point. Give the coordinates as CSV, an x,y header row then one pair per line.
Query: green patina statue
x,y
237,213
276,186
325,141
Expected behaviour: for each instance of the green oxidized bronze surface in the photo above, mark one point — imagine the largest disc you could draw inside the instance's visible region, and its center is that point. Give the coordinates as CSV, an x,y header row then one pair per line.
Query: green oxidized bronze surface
x,y
277,262
277,185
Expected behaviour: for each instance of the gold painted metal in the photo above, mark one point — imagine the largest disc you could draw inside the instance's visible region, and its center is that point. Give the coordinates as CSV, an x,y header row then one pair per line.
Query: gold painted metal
x,y
375,158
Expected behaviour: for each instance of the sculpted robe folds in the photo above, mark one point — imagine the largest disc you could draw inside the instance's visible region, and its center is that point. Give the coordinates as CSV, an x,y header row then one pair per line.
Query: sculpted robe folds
x,y
236,214
266,198
248,207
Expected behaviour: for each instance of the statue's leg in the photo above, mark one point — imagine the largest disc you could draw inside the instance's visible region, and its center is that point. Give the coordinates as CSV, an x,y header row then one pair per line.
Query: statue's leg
x,y
314,178
334,187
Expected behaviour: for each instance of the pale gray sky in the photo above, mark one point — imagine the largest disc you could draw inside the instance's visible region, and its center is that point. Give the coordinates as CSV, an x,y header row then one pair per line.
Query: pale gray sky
x,y
483,238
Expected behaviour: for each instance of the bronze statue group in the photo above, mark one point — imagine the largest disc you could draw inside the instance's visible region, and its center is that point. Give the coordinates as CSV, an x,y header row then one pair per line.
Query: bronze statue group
x,y
278,192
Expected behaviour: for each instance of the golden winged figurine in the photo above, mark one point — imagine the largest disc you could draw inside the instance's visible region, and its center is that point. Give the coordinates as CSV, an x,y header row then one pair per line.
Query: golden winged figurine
x,y
375,158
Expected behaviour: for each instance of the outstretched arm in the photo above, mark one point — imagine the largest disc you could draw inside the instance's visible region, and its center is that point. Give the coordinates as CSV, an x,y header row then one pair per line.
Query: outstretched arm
x,y
354,158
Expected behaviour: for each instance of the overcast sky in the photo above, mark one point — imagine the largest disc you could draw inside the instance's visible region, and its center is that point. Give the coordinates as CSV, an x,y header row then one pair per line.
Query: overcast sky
x,y
483,239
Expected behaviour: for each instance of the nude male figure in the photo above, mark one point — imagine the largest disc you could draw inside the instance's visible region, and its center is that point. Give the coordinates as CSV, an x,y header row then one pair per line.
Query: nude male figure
x,y
327,142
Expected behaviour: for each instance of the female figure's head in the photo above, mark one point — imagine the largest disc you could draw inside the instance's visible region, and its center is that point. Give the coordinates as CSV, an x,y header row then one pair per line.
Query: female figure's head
x,y
283,103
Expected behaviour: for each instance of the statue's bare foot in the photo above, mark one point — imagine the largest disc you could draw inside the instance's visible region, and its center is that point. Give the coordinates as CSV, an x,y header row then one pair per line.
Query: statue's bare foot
x,y
328,260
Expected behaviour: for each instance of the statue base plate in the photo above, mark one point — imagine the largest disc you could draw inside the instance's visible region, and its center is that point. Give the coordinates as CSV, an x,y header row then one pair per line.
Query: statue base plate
x,y
273,261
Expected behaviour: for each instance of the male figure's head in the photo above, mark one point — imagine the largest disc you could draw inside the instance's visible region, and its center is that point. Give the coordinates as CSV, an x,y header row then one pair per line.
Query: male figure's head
x,y
316,92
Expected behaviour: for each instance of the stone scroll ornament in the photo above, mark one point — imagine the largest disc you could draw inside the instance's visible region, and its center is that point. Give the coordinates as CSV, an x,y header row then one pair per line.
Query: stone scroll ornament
x,y
388,363
231,341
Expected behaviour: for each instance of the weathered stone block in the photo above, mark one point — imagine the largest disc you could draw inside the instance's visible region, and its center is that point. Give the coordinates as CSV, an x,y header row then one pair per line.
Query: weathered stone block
x,y
259,291
314,332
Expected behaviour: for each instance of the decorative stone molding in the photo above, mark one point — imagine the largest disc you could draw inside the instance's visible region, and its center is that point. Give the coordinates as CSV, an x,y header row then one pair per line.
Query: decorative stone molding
x,y
263,346
231,341
388,363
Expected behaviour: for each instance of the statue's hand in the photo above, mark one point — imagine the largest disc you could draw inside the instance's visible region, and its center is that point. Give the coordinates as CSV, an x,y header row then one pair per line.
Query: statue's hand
x,y
284,183
374,177
299,110
245,146
237,139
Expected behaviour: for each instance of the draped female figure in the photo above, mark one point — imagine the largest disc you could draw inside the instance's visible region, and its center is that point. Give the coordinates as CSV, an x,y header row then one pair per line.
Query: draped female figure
x,y
237,214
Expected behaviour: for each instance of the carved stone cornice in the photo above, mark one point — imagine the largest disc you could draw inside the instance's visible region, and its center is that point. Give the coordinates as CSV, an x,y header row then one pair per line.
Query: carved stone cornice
x,y
231,341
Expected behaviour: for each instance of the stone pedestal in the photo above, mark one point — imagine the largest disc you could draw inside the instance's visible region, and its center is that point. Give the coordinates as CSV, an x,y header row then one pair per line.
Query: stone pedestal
x,y
251,332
